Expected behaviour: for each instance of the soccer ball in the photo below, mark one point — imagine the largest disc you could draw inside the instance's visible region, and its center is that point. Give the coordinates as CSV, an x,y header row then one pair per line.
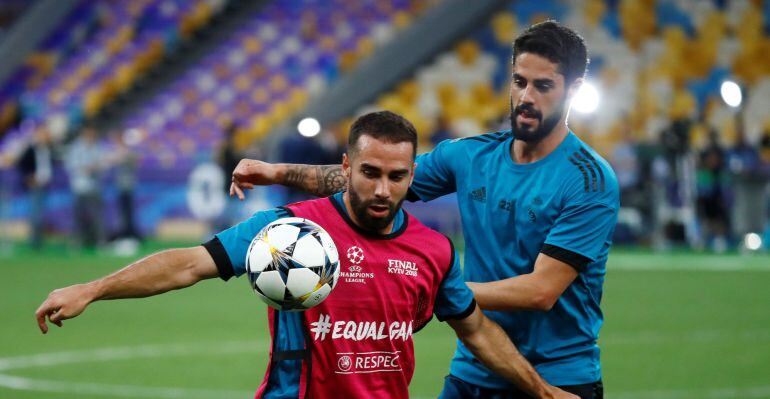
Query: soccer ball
x,y
292,264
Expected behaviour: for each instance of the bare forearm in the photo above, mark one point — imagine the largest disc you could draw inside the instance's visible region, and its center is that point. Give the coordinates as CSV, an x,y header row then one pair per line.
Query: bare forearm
x,y
155,274
539,290
517,293
318,180
491,346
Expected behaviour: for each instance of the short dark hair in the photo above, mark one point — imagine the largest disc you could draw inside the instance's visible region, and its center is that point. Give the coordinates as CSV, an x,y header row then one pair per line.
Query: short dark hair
x,y
559,44
383,125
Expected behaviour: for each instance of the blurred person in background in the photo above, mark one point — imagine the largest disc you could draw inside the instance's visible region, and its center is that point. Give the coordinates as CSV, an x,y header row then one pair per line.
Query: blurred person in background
x,y
35,165
747,186
764,155
442,131
227,157
85,164
712,180
125,161
625,162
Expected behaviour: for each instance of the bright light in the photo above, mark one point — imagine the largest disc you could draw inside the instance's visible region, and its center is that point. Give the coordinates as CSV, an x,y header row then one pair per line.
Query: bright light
x,y
752,241
309,127
586,100
731,93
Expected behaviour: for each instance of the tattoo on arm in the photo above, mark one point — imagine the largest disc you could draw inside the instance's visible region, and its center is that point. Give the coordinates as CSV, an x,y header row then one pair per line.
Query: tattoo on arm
x,y
330,180
321,181
295,177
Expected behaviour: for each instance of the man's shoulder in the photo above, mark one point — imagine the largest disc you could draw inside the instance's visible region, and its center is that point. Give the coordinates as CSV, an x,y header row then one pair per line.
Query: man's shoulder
x,y
474,145
587,174
486,140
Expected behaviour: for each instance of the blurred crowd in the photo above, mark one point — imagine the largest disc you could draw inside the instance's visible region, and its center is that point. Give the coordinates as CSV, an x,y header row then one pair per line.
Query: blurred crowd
x,y
88,159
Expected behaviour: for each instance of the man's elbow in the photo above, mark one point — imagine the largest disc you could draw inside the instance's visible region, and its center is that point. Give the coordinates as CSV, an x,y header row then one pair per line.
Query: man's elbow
x,y
470,338
544,301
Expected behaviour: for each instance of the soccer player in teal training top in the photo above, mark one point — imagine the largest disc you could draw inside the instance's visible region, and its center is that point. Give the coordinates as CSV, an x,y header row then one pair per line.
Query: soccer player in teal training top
x,y
538,208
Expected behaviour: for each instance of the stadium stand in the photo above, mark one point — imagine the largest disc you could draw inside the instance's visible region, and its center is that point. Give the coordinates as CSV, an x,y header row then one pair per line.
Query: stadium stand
x,y
658,65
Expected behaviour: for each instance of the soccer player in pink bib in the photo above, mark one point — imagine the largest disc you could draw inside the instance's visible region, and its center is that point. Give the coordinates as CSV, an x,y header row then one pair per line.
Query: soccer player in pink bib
x,y
395,275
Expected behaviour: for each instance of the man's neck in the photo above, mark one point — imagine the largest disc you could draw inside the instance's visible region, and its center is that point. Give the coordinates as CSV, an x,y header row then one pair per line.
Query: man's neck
x,y
349,210
524,152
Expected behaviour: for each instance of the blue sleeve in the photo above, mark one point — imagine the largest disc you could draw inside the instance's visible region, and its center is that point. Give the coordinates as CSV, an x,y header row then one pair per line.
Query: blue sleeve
x,y
582,233
454,299
435,172
235,241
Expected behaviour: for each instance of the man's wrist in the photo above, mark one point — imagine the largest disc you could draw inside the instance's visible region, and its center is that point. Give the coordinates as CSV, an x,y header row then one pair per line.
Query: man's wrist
x,y
278,171
93,291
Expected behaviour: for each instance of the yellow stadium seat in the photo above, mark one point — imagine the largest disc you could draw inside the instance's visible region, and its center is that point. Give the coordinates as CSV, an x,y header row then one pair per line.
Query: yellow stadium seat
x,y
279,111
222,71
195,19
637,21
364,47
683,105
243,82
92,102
252,45
328,43
467,52
401,19
278,84
260,95
409,92
348,61
71,83
297,99
43,62
504,27
125,76
593,12
119,41
8,114
208,109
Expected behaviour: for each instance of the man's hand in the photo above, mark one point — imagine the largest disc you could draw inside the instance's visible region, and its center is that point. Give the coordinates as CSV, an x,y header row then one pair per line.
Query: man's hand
x,y
318,180
63,304
250,173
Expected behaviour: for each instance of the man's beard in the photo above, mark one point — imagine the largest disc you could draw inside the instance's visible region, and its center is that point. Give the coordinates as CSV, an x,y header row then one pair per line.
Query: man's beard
x,y
544,126
367,221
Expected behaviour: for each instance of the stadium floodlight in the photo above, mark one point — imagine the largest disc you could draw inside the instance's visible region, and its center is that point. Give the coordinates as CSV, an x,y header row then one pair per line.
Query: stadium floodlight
x,y
309,127
731,93
586,100
752,241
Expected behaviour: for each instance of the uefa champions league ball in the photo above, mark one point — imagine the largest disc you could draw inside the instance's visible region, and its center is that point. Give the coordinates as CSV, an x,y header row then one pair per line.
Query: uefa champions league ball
x,y
292,264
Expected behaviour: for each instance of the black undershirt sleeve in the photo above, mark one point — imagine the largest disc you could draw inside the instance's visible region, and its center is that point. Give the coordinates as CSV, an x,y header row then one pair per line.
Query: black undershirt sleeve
x,y
579,262
218,253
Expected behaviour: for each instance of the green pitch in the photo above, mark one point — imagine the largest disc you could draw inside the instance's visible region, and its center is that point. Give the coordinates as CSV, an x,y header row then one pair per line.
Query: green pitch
x,y
677,326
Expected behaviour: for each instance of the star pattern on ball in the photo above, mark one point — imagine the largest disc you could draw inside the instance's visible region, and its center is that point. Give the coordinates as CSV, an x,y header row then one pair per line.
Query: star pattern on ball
x,y
295,271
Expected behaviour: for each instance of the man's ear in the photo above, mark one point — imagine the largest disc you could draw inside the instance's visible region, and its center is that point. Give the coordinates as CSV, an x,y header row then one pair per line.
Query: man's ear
x,y
574,87
346,165
411,177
